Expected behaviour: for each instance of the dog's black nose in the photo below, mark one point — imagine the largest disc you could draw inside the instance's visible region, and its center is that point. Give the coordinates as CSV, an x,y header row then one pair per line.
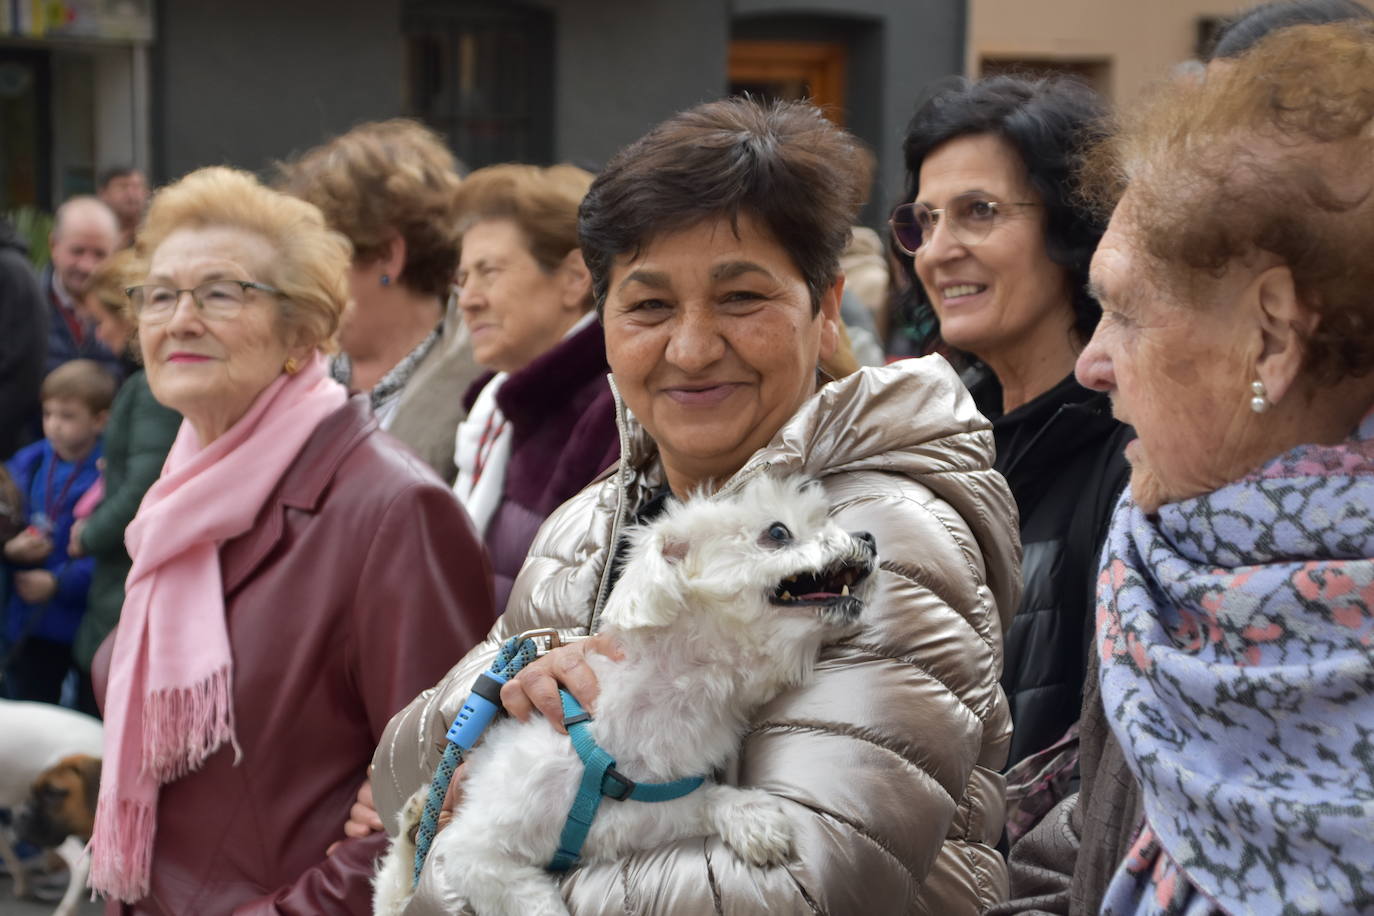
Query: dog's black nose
x,y
866,538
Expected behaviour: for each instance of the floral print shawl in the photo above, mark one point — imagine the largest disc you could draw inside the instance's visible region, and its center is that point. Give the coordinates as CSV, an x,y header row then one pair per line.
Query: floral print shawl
x,y
1235,635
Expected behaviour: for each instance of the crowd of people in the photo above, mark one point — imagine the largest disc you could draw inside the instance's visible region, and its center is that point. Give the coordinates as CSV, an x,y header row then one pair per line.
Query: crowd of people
x,y
272,524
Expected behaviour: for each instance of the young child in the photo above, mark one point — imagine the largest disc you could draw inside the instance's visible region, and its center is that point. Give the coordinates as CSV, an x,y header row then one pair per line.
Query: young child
x,y
49,588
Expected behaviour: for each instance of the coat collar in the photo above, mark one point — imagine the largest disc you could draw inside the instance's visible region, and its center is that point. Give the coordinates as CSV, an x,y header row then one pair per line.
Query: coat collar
x,y
302,487
524,397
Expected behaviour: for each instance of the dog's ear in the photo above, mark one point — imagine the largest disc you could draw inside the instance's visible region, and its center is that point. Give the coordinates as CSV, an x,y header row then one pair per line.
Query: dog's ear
x,y
650,590
88,768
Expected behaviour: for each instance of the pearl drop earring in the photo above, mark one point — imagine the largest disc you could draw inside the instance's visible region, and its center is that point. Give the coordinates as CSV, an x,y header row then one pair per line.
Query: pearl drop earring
x,y
1260,402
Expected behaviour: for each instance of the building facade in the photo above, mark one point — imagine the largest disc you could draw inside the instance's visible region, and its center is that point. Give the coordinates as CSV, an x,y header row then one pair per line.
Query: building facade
x,y
252,82
74,95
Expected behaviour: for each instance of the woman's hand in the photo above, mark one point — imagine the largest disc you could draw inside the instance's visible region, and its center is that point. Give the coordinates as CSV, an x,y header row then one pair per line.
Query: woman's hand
x,y
35,585
28,548
362,817
536,686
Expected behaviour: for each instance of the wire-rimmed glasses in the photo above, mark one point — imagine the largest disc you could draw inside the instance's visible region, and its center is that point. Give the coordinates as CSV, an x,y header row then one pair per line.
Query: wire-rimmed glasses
x,y
971,218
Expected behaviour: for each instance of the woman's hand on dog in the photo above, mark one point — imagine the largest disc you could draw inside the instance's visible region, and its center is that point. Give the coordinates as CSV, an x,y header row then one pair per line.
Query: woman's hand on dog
x,y
362,817
536,686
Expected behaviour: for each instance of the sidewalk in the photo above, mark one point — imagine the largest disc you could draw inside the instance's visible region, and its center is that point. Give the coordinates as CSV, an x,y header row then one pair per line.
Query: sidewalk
x,y
11,907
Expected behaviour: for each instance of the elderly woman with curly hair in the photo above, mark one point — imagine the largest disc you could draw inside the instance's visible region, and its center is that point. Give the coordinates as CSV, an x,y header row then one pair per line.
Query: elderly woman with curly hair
x,y
294,577
1226,760
390,187
541,421
713,244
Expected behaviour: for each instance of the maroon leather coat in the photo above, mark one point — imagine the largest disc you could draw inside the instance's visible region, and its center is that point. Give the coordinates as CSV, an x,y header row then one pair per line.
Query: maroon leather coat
x,y
359,585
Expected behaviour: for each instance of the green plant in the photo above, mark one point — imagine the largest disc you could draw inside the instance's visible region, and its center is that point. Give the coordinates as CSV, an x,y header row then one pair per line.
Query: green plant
x,y
34,226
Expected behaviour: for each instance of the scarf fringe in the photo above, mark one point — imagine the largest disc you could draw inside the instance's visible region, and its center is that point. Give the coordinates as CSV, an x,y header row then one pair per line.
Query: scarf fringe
x,y
182,726
121,851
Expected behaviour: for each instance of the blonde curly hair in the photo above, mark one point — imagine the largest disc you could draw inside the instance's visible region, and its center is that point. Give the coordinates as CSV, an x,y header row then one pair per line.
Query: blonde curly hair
x,y
311,267
384,180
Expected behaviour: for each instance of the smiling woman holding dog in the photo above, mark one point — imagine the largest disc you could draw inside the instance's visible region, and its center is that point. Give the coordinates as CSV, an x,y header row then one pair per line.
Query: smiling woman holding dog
x,y
291,585
713,245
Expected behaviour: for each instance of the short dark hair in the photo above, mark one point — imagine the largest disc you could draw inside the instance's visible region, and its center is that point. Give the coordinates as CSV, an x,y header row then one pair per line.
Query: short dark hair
x,y
1049,121
115,171
782,163
1245,31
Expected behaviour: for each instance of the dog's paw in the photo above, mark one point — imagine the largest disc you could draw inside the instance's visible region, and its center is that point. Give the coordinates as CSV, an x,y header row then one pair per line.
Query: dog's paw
x,y
754,825
391,884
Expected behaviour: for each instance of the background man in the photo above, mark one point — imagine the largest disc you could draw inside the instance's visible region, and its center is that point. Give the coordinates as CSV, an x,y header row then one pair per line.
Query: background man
x,y
85,232
125,191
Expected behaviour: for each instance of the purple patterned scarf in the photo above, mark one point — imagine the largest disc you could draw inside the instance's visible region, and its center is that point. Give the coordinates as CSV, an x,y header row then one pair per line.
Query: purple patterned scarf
x,y
1235,633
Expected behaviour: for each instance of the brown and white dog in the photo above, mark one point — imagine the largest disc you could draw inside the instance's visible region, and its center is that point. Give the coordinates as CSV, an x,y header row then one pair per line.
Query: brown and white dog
x,y
59,815
36,740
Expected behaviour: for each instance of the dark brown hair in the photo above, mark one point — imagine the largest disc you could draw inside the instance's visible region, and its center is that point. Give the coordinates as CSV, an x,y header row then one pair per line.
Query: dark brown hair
x,y
1049,122
1273,154
783,164
382,180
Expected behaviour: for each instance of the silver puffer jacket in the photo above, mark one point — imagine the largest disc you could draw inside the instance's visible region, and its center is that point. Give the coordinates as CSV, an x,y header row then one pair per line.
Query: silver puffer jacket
x,y
889,757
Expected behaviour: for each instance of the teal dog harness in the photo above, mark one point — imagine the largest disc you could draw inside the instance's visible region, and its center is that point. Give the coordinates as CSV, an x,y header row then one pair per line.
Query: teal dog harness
x,y
599,778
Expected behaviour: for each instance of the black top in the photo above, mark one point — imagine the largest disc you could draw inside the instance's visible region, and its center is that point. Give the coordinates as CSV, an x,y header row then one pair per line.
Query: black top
x,y
1062,456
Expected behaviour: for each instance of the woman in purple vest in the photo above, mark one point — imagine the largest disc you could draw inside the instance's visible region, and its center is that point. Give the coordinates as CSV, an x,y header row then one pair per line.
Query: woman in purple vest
x,y
541,421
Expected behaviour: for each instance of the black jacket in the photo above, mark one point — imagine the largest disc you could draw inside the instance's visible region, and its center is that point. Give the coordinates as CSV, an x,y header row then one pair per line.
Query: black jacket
x,y
1062,455
23,344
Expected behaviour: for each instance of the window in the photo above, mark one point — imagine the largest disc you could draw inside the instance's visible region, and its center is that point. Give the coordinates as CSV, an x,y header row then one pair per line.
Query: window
x,y
791,70
483,77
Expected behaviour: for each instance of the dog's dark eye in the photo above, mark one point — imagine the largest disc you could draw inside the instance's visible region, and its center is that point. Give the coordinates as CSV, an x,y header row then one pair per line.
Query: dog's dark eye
x,y
778,533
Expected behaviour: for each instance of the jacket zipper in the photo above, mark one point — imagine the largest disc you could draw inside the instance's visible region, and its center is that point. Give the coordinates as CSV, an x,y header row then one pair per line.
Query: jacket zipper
x,y
621,486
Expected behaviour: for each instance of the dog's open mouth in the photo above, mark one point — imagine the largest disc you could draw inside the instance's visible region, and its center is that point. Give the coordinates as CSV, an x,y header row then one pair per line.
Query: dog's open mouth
x,y
832,588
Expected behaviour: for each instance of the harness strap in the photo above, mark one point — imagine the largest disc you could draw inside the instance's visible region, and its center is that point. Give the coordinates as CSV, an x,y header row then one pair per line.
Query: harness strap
x,y
481,707
601,778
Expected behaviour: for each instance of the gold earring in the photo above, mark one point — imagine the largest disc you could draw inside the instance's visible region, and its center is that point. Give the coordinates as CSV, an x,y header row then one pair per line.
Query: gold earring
x,y
291,366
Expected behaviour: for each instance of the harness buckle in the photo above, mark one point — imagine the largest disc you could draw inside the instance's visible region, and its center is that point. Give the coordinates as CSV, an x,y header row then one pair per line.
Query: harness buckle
x,y
548,633
627,785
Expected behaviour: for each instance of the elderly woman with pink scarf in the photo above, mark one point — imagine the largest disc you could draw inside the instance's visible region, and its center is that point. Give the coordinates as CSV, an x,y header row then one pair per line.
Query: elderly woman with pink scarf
x,y
294,579
1227,761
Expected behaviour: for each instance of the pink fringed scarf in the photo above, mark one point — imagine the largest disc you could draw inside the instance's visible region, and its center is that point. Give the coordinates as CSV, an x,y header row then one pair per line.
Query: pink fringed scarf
x,y
168,702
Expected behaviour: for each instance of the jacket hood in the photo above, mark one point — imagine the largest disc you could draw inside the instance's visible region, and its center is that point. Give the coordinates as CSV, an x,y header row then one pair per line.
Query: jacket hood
x,y
9,238
913,418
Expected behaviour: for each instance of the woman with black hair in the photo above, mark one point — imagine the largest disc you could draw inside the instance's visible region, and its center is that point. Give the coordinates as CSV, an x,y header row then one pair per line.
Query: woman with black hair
x,y
1001,252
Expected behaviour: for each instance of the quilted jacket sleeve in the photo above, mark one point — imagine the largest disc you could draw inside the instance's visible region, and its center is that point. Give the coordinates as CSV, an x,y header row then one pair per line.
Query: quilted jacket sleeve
x,y
548,593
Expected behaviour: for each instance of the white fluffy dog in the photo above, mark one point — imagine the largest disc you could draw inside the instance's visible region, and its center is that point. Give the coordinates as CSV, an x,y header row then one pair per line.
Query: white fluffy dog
x,y
722,604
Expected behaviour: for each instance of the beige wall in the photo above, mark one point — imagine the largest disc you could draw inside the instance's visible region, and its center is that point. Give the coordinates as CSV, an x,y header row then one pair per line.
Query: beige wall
x,y
1139,40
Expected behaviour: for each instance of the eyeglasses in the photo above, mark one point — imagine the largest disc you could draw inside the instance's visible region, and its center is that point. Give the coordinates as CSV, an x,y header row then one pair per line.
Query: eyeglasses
x,y
971,219
221,299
